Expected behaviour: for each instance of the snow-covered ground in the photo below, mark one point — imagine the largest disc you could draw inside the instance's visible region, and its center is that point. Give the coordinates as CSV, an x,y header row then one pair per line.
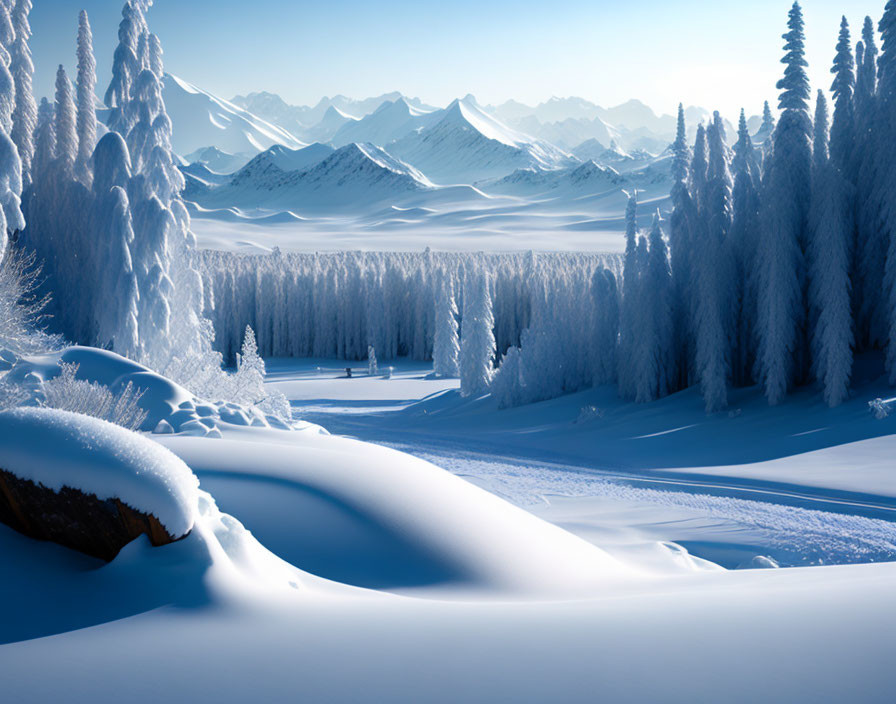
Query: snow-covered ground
x,y
547,569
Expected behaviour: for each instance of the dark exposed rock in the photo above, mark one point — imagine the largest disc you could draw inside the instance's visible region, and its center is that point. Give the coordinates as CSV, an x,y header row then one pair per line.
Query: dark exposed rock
x,y
80,521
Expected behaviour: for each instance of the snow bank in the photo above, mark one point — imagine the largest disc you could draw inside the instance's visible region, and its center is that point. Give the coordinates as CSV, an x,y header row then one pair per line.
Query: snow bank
x,y
59,449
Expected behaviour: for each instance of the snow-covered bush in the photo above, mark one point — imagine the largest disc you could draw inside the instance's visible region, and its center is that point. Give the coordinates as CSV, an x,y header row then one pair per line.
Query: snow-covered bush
x,y
21,307
65,392
880,408
372,369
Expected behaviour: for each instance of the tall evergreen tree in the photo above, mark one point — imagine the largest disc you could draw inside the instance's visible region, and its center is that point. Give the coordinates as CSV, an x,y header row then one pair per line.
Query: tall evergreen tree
x,y
743,245
86,119
713,314
628,314
446,345
785,201
829,268
680,246
66,132
657,290
477,346
24,116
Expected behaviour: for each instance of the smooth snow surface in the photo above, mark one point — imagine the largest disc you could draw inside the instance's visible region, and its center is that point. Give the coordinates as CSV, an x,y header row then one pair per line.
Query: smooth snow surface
x,y
59,449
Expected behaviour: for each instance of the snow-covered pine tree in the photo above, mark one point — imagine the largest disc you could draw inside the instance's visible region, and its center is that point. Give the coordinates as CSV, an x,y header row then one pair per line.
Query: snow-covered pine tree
x,y
477,346
785,202
644,367
86,118
446,345
842,139
870,166
125,68
629,313
66,131
698,169
118,325
24,116
7,84
372,367
680,252
657,293
743,246
11,219
829,266
605,295
767,127
713,276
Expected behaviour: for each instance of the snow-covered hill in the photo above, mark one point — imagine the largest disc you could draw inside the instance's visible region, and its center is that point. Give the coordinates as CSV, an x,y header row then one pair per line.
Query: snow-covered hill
x,y
467,145
218,161
203,120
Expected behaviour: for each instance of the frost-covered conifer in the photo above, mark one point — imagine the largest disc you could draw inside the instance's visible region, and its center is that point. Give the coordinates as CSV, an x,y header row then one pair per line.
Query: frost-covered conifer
x,y
24,116
680,250
629,312
86,119
785,203
446,345
657,294
477,346
698,168
713,274
605,295
829,269
119,297
66,131
743,245
125,67
372,366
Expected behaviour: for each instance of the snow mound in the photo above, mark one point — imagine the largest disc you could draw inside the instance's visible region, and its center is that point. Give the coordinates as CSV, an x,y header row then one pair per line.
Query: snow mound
x,y
58,449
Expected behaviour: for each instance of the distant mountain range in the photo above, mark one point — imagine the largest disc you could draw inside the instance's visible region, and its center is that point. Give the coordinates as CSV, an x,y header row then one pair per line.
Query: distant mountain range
x,y
394,161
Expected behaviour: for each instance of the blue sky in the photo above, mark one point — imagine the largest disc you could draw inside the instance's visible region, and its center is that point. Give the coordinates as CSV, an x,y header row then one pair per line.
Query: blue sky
x,y
719,55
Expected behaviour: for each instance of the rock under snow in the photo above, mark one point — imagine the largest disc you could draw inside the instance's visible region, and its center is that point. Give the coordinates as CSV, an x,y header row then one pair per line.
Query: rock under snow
x,y
90,485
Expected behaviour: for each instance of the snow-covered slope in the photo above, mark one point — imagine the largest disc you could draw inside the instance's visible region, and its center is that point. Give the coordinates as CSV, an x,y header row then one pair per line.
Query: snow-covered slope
x,y
391,121
332,121
467,144
279,158
202,120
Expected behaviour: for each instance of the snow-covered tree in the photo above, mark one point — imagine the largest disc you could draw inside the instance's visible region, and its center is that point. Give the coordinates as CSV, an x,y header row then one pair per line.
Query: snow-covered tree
x,y
372,367
66,129
24,116
656,292
699,168
605,295
446,345
477,345
86,118
829,268
629,313
785,204
713,276
118,323
680,251
125,67
743,245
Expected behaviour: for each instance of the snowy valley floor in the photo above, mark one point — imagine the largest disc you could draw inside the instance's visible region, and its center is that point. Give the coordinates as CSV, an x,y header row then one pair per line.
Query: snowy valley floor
x,y
371,575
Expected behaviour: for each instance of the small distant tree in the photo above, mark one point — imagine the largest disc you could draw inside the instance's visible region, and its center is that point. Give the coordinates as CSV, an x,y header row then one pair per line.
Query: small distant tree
x,y
446,345
477,347
372,369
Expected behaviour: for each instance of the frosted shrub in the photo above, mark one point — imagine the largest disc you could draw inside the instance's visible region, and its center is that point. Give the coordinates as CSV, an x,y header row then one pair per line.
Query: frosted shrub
x,y
21,309
67,393
372,369
880,408
12,395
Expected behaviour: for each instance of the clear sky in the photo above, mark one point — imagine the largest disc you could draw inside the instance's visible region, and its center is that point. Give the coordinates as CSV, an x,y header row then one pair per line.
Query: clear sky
x,y
716,54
